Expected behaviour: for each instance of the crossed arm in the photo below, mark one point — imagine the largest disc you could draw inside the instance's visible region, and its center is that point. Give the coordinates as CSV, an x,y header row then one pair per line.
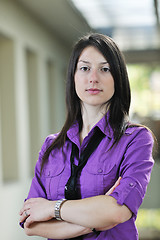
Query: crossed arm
x,y
80,216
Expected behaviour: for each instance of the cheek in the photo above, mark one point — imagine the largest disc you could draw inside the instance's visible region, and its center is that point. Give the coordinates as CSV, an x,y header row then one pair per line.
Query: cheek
x,y
112,86
76,82
78,85
78,89
109,88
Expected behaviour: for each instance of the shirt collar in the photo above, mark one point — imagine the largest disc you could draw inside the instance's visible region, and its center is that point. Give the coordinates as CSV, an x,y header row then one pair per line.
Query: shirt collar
x,y
73,132
107,129
130,129
104,126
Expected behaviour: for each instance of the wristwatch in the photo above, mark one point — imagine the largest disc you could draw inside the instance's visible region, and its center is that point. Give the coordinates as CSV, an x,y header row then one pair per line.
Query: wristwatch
x,y
57,208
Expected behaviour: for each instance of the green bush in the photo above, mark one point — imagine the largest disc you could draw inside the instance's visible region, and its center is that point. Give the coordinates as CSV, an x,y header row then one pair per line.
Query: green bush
x,y
148,218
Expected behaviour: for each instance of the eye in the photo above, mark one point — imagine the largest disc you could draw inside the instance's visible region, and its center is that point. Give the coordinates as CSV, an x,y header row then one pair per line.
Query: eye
x,y
105,69
85,68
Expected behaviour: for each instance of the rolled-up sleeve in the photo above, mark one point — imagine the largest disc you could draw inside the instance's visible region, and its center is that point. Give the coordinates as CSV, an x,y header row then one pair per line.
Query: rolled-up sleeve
x,y
135,170
37,188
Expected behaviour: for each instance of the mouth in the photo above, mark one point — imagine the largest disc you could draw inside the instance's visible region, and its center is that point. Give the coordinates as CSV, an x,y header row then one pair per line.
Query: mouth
x,y
94,91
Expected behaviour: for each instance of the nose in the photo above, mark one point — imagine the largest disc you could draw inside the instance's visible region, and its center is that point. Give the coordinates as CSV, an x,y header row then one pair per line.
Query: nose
x,y
93,77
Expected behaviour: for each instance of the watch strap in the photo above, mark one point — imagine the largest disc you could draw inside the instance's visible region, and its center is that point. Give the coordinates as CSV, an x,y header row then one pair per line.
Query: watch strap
x,y
57,208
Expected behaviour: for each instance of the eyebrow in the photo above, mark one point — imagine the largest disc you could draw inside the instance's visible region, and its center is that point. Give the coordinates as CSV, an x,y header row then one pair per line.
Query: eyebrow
x,y
90,63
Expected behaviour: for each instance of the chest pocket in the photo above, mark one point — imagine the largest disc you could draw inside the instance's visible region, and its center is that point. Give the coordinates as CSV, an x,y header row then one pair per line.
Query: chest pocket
x,y
100,177
52,176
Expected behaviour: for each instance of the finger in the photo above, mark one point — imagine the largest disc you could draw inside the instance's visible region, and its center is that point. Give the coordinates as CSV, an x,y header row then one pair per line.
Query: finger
x,y
28,221
114,186
25,215
22,209
117,182
25,207
27,204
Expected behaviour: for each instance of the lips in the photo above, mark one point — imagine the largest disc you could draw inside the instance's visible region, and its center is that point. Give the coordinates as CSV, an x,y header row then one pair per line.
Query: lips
x,y
94,91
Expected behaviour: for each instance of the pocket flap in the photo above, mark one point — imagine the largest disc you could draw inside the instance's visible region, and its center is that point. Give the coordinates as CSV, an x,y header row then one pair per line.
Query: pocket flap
x,y
101,168
53,170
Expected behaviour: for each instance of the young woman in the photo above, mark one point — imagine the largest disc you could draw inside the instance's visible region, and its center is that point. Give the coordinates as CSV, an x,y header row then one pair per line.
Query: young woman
x,y
90,179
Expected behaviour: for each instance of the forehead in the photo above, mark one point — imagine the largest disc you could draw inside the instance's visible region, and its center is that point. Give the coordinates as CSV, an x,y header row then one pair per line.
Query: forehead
x,y
91,53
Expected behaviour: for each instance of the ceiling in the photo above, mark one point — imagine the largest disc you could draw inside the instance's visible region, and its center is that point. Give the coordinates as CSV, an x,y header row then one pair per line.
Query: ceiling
x,y
133,24
60,17
118,13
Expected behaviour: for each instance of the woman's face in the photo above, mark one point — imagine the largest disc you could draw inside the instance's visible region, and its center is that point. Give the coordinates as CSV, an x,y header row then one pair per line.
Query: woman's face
x,y
94,83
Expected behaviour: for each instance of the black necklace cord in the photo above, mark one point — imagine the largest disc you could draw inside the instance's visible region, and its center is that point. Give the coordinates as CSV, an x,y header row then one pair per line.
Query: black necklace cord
x,y
71,192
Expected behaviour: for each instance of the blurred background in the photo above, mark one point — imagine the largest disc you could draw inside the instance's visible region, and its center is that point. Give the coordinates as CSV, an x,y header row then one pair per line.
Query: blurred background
x,y
36,37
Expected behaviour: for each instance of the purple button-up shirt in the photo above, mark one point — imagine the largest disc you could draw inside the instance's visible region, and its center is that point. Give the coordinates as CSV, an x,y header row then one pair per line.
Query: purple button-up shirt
x,y
131,159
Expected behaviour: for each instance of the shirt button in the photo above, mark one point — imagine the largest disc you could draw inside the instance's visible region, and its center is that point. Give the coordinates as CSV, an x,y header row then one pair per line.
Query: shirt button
x,y
100,170
48,173
131,184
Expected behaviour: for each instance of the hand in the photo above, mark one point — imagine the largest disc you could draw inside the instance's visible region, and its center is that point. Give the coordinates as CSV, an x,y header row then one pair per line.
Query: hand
x,y
114,186
37,210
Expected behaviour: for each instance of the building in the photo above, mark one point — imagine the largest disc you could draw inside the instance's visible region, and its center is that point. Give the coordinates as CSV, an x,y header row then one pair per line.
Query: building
x,y
34,53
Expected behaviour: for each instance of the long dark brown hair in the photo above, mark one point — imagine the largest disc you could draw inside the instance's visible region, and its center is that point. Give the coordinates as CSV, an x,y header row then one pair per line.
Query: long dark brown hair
x,y
119,104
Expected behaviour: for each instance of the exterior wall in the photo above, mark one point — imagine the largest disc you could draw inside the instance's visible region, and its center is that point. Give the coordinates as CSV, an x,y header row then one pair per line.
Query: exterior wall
x,y
32,79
